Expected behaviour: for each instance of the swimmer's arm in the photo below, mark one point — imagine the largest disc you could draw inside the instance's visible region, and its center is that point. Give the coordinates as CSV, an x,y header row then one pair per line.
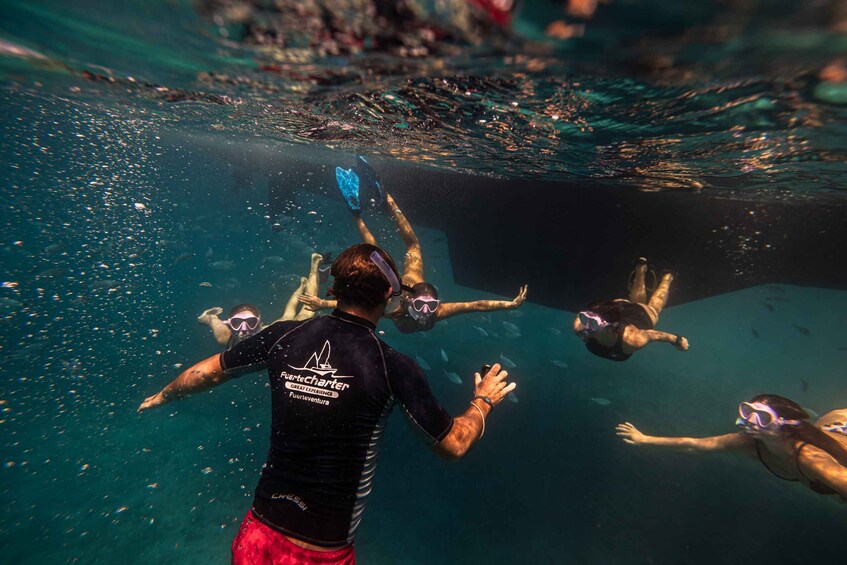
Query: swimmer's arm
x,y
727,442
314,303
635,338
221,331
815,463
455,308
204,375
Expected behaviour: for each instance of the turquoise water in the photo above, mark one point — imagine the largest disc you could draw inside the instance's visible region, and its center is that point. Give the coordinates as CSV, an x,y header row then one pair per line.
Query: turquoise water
x,y
120,196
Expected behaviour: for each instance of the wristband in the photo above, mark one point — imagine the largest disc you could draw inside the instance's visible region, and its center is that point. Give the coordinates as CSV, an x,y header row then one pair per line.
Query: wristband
x,y
481,415
678,340
484,399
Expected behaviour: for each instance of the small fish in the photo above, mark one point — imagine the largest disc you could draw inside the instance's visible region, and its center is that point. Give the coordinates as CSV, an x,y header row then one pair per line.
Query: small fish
x,y
559,364
424,365
754,332
274,260
513,397
454,377
804,385
10,285
209,253
104,284
506,362
183,257
222,265
601,401
139,206
512,330
50,273
801,329
769,307
444,355
10,304
206,284
54,248
554,331
481,331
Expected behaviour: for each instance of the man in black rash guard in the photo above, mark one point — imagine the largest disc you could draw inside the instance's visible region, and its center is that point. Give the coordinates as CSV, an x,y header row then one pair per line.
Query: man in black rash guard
x,y
333,383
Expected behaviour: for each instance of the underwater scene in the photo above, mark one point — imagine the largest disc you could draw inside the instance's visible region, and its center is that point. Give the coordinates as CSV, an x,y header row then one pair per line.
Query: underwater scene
x,y
637,209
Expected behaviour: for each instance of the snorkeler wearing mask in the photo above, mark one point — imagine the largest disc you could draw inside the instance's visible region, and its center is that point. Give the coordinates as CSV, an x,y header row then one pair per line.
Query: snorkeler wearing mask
x,y
777,432
419,307
245,320
615,329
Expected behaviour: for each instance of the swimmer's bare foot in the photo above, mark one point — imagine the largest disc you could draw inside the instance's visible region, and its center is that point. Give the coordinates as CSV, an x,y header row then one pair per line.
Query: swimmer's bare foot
x,y
391,205
206,316
317,259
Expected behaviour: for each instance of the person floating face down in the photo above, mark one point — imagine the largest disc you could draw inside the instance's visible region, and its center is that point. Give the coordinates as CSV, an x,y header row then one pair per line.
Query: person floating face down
x,y
777,431
419,307
615,329
245,320
333,383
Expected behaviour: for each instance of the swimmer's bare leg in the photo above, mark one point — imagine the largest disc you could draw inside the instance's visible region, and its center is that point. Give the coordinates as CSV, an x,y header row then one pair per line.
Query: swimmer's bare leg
x,y
291,306
220,330
660,295
413,267
638,293
366,234
312,286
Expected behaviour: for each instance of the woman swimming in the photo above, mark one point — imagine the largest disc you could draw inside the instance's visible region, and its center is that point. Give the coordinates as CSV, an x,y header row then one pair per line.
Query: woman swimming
x,y
777,432
245,320
419,306
615,329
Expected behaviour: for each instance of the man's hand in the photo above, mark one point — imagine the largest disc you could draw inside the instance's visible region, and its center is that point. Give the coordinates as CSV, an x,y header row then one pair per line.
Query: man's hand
x,y
310,302
493,385
521,297
157,399
630,433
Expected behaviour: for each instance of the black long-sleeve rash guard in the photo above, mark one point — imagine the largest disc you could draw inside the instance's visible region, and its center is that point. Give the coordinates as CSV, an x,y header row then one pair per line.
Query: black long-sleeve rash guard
x,y
333,383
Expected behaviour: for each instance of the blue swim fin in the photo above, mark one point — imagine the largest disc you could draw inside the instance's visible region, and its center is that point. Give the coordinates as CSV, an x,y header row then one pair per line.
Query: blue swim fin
x,y
348,184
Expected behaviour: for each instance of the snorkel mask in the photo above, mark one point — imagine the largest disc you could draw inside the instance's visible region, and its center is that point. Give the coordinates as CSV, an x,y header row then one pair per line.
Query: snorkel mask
x,y
391,277
423,306
592,323
757,418
244,324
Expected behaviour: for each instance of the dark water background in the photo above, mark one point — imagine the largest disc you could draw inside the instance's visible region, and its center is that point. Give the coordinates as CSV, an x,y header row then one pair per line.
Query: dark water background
x,y
115,190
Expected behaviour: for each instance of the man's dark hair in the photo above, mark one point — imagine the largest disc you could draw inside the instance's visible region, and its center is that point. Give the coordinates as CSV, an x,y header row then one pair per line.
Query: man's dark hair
x,y
357,279
245,308
804,432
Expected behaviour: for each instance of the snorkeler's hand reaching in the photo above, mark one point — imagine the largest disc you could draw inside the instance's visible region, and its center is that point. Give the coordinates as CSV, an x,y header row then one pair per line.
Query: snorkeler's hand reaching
x,y
682,343
311,303
157,399
630,434
521,297
493,384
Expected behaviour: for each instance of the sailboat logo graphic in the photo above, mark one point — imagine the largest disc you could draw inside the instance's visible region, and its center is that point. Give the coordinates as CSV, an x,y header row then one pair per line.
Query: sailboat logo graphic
x,y
318,363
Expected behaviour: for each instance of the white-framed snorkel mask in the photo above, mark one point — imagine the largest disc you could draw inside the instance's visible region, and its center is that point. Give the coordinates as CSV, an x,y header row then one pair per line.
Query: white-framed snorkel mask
x,y
423,306
391,277
757,418
244,324
592,323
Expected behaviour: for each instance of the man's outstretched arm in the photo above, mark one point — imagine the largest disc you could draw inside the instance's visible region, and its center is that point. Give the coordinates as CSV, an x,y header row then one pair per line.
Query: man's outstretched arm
x,y
201,376
468,428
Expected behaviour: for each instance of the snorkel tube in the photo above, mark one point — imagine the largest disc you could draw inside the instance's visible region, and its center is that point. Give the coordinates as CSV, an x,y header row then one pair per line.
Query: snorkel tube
x,y
391,277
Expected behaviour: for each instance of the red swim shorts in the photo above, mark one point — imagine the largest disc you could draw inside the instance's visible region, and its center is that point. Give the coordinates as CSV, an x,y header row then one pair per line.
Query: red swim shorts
x,y
258,544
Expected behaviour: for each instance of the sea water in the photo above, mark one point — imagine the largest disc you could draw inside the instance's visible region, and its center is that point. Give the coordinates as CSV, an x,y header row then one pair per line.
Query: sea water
x,y
129,209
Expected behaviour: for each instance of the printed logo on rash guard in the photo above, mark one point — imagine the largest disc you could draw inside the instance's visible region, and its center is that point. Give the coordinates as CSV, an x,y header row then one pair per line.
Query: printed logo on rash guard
x,y
321,384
